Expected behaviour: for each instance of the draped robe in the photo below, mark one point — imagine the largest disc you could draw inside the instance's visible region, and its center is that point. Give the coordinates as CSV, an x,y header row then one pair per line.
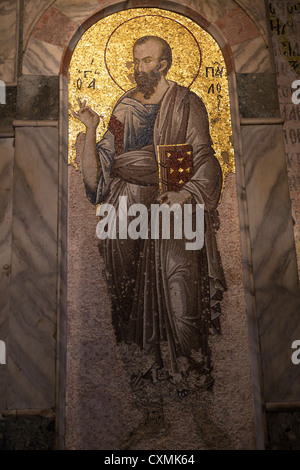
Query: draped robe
x,y
162,295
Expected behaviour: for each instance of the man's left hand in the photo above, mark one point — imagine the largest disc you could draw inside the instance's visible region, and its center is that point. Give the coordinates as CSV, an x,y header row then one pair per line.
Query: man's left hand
x,y
172,197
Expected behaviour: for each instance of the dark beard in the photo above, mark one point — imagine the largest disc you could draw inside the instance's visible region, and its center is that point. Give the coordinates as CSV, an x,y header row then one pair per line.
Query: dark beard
x,y
146,82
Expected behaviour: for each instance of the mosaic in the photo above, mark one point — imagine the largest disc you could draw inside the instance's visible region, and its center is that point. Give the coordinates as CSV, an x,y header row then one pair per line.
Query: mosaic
x,y
102,69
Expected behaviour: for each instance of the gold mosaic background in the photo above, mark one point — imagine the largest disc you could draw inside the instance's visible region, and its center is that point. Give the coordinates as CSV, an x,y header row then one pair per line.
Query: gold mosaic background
x,y
101,70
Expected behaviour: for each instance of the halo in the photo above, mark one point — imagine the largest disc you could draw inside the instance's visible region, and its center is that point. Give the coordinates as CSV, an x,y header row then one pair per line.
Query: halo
x,y
186,51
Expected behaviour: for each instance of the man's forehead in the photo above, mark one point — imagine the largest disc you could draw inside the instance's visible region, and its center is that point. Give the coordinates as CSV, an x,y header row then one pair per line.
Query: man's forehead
x,y
149,48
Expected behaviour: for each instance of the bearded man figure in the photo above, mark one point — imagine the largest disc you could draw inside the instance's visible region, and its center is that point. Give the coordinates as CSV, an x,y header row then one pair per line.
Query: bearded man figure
x,y
165,299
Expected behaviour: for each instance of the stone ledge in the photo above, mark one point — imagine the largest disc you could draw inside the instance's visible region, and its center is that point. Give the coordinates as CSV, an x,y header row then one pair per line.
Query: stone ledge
x,y
261,121
37,123
283,406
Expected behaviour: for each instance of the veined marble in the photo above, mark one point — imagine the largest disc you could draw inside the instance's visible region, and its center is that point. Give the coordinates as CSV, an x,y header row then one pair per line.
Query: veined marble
x,y
6,172
33,10
276,286
257,12
7,71
32,326
8,40
214,9
41,58
62,234
252,56
237,27
77,10
55,28
8,14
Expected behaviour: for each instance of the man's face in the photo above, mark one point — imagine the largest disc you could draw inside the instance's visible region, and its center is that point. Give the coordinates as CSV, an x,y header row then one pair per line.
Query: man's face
x,y
147,67
146,57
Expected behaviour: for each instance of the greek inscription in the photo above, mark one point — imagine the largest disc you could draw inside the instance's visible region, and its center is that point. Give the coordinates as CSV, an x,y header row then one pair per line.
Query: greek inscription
x,y
79,83
210,70
294,135
214,71
219,72
85,78
289,51
291,113
92,84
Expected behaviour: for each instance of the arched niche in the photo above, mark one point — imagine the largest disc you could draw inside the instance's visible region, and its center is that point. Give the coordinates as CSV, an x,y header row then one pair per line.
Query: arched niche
x,y
89,308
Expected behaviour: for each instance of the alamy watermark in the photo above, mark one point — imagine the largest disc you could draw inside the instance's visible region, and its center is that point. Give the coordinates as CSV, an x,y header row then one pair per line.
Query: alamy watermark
x,y
188,222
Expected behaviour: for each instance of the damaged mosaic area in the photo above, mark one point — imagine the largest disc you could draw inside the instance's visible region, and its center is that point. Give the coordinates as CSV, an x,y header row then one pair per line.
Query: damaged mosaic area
x,y
101,70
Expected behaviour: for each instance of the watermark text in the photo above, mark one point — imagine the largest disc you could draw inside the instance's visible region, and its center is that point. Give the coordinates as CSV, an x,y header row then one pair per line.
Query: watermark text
x,y
162,221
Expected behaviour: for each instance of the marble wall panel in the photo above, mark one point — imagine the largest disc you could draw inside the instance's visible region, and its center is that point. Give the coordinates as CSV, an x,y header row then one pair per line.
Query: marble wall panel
x,y
54,27
237,27
77,10
7,70
33,10
41,58
8,13
6,172
258,13
252,56
32,323
8,40
274,261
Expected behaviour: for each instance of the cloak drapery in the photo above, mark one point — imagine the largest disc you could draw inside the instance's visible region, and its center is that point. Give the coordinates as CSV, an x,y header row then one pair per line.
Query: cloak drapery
x,y
164,298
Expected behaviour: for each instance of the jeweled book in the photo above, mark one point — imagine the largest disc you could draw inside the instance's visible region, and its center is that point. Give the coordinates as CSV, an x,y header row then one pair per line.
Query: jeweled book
x,y
175,164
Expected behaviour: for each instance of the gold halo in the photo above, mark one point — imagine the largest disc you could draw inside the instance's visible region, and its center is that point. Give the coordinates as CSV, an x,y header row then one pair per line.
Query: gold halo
x,y
176,34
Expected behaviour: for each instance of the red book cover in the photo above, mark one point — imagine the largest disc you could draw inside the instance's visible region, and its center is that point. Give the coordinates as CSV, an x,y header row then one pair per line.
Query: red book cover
x,y
175,163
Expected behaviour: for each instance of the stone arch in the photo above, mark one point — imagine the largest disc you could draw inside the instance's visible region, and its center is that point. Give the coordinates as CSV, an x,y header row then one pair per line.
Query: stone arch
x,y
60,26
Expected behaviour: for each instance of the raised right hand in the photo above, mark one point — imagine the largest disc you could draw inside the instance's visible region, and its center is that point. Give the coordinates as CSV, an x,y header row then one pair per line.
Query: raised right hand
x,y
86,115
